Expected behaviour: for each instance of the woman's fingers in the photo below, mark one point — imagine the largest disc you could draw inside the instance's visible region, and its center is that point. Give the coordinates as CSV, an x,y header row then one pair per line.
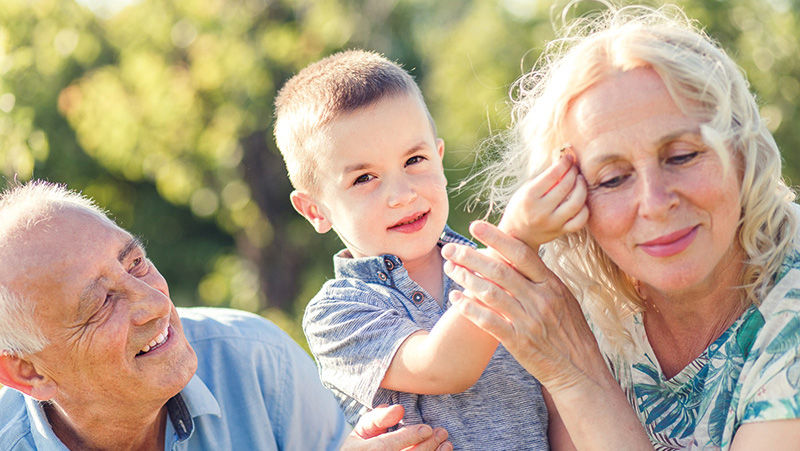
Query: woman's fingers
x,y
518,254
478,281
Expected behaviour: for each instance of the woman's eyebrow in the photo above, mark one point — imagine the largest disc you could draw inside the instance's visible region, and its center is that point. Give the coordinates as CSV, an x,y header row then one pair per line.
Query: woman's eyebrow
x,y
668,138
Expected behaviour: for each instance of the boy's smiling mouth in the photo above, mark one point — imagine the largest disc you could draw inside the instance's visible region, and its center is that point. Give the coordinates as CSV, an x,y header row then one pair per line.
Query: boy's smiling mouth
x,y
411,223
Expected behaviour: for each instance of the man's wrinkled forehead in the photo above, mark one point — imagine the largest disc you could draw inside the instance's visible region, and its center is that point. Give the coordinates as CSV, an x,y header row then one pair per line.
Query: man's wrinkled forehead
x,y
62,246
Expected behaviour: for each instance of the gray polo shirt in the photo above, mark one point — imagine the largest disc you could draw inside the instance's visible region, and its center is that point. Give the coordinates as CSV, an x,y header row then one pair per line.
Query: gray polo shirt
x,y
354,326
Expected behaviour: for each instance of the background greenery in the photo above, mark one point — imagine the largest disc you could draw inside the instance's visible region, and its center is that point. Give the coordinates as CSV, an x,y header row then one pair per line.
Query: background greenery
x,y
162,112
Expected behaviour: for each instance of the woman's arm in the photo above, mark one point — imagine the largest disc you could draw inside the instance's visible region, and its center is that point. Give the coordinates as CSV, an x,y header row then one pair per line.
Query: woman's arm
x,y
527,308
768,435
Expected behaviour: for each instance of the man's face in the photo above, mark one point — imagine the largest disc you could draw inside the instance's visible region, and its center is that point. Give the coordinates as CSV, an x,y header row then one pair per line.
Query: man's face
x,y
101,303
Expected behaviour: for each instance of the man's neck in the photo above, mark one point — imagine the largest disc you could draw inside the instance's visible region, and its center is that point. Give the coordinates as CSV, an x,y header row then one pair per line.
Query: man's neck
x,y
115,431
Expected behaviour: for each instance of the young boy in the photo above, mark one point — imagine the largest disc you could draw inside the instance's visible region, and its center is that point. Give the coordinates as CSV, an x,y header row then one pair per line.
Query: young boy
x,y
362,153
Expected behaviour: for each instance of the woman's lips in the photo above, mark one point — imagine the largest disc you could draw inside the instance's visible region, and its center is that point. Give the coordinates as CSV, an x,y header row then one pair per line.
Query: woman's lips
x,y
411,224
671,244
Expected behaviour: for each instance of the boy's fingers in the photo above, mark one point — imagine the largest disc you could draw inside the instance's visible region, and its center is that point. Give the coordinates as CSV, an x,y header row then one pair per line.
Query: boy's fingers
x,y
578,221
573,202
559,192
552,176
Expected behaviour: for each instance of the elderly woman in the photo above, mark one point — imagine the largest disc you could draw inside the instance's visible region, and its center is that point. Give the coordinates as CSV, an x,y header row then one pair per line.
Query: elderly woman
x,y
686,329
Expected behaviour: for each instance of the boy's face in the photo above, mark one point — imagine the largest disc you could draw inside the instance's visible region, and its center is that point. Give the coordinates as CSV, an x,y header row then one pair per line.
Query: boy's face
x,y
381,182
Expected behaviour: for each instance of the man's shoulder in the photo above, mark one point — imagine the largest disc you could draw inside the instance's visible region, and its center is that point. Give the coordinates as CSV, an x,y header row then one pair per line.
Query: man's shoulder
x,y
15,430
209,323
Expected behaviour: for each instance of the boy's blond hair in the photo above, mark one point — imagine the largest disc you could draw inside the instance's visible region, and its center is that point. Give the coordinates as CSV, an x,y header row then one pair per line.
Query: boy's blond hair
x,y
340,83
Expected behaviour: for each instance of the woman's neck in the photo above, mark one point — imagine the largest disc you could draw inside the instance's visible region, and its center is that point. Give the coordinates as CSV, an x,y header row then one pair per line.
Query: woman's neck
x,y
681,325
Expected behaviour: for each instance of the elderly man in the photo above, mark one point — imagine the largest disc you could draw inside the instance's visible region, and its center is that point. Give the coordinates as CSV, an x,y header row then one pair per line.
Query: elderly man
x,y
94,355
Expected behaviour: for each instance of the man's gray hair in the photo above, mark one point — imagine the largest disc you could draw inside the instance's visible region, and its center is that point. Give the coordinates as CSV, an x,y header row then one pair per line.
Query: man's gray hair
x,y
22,206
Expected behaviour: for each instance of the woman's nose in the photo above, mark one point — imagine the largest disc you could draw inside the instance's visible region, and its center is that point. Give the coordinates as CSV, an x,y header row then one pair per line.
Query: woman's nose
x,y
657,196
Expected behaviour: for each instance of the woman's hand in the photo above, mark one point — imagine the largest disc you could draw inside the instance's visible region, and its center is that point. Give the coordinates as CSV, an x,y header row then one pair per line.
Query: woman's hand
x,y
525,306
512,295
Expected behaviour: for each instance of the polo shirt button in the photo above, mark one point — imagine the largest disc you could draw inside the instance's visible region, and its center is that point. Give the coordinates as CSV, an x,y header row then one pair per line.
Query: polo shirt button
x,y
382,275
389,263
417,297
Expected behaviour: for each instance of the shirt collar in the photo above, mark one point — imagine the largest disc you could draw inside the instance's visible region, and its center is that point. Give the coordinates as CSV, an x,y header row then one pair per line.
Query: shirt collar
x,y
377,269
43,435
193,401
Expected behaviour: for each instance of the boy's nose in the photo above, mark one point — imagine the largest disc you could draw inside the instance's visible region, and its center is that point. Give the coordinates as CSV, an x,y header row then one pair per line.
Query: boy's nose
x,y
403,194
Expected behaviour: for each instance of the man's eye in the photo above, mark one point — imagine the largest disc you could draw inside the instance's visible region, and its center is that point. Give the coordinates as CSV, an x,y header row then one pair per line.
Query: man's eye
x,y
415,159
364,178
682,158
139,266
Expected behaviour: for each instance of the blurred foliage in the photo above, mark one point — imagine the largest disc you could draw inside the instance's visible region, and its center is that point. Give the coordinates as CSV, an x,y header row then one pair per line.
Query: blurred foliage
x,y
162,112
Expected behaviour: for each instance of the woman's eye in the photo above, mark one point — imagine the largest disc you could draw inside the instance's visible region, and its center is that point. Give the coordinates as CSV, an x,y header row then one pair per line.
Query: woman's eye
x,y
414,160
613,182
364,178
682,158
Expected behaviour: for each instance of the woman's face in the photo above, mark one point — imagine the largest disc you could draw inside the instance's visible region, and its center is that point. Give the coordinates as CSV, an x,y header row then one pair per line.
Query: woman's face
x,y
661,205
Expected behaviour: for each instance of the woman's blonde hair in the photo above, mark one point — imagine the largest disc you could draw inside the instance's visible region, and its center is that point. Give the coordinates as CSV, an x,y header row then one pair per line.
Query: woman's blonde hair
x,y
705,83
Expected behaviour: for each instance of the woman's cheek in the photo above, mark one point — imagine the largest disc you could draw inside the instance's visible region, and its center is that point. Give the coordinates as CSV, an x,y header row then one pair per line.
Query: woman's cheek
x,y
608,215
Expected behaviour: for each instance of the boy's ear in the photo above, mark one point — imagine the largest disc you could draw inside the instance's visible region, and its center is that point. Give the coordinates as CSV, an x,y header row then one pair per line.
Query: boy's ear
x,y
311,210
440,147
21,375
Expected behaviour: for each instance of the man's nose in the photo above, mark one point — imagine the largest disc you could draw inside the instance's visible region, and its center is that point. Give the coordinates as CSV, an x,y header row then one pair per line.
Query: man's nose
x,y
657,195
149,298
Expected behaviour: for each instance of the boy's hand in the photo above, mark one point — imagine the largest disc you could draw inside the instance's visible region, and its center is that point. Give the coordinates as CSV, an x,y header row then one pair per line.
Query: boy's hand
x,y
552,203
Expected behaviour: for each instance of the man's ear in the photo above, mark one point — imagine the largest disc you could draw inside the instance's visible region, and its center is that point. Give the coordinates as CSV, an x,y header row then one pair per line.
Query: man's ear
x,y
440,147
21,375
311,210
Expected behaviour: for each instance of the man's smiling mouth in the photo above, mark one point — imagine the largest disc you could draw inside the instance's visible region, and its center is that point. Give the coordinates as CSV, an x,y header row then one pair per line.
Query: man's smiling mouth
x,y
156,342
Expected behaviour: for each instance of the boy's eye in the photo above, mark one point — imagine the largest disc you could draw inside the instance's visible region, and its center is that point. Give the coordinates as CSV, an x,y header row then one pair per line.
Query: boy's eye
x,y
414,160
363,178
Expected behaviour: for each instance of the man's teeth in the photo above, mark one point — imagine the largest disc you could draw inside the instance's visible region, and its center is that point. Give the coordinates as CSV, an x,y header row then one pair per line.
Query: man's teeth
x,y
156,341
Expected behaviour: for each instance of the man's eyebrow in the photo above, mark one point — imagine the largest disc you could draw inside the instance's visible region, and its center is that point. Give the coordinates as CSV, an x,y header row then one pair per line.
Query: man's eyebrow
x,y
133,244
86,299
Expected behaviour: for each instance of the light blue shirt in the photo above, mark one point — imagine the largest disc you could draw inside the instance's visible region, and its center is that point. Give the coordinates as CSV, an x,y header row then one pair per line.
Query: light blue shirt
x,y
254,389
356,323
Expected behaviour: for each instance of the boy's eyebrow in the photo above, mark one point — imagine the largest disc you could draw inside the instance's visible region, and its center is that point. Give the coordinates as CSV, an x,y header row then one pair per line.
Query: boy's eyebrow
x,y
416,147
355,167
361,166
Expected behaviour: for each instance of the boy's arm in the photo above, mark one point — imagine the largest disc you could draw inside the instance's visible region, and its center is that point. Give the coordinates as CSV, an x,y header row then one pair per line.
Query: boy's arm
x,y
452,357
448,359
